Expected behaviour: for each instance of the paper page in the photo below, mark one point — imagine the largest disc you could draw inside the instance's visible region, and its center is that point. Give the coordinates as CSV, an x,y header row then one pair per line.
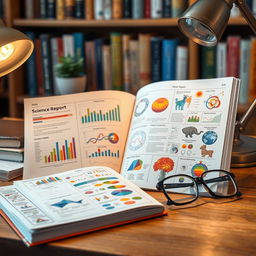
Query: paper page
x,y
76,130
177,127
72,196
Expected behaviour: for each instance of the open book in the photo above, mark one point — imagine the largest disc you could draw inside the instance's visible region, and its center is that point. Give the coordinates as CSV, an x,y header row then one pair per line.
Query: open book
x,y
74,202
170,127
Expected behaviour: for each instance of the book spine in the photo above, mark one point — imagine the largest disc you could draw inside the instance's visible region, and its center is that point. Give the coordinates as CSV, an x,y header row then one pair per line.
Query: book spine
x,y
90,65
252,71
137,9
178,7
98,9
156,9
60,10
29,9
106,55
79,51
99,64
208,62
233,56
117,9
181,63
79,9
221,59
51,9
68,45
167,9
156,50
107,9
69,9
127,9
60,48
169,59
31,70
134,62
46,63
55,60
144,59
116,60
39,67
89,9
244,70
37,7
147,9
126,62
43,9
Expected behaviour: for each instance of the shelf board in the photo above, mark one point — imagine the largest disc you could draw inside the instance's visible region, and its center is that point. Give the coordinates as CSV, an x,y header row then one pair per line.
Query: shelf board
x,y
95,23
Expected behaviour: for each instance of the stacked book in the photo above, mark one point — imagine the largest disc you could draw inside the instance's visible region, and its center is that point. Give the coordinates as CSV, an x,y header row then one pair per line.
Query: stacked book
x,y
11,148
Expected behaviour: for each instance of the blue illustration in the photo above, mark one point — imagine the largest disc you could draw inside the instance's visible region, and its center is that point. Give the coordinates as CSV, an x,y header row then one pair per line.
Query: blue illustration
x,y
209,137
65,202
180,103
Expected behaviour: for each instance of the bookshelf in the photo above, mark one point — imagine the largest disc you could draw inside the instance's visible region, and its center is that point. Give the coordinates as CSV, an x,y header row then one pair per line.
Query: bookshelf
x,y
13,18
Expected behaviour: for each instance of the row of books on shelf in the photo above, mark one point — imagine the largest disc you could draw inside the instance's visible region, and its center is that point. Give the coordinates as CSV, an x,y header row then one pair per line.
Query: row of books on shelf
x,y
234,57
103,9
120,61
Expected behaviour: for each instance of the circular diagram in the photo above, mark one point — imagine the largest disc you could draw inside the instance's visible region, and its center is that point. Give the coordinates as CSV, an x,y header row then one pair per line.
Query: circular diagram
x,y
209,137
198,169
141,107
121,192
113,138
137,141
213,102
160,105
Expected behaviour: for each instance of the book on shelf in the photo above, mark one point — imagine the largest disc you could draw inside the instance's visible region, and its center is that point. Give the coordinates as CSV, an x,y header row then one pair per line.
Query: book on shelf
x,y
12,154
156,9
137,9
183,126
98,9
208,62
11,133
233,55
117,11
70,203
107,9
10,170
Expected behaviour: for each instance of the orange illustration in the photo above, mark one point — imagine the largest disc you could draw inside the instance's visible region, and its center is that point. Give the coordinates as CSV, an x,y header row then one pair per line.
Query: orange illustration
x,y
160,105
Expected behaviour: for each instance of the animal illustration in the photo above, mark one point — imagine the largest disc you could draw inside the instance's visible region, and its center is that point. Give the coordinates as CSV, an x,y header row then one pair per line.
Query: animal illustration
x,y
179,104
188,100
190,131
205,152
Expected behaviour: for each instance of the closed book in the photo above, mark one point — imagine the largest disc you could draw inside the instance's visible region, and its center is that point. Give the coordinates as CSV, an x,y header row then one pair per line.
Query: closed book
x,y
47,64
60,9
127,9
60,47
90,65
156,9
39,67
169,59
12,154
68,45
181,62
55,61
137,9
98,9
178,7
29,9
117,11
79,44
221,59
208,62
11,133
147,9
89,9
79,9
244,70
156,58
167,9
107,9
10,170
43,9
107,74
69,9
252,71
144,59
116,60
233,55
99,65
31,74
51,9
126,61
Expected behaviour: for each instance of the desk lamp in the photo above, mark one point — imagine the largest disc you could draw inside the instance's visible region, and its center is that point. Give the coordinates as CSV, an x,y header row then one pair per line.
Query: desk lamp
x,y
15,48
204,22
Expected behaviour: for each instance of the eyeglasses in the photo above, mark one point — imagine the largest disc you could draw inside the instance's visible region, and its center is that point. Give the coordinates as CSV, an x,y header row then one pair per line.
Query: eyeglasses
x,y
218,183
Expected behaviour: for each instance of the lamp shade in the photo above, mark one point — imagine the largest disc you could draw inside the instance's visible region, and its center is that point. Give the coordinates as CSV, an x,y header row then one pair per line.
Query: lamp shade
x,y
205,21
15,49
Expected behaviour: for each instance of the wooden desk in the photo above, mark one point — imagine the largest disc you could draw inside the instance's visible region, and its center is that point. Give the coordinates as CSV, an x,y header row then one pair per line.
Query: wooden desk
x,y
212,228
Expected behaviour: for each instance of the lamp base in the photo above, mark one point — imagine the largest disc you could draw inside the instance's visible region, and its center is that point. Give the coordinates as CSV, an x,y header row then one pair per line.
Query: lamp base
x,y
244,152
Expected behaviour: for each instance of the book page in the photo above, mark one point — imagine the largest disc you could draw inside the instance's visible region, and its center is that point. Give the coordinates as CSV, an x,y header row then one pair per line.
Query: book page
x,y
178,127
71,196
76,130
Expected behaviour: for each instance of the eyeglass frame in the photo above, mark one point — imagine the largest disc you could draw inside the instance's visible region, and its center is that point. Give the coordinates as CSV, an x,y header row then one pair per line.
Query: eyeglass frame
x,y
198,181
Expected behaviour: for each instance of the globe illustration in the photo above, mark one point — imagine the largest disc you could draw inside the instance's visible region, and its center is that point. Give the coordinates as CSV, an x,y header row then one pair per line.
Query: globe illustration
x,y
209,137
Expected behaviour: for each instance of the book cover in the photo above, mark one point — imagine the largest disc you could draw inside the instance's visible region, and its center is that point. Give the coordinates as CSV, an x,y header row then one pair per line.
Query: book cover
x,y
156,58
126,62
169,59
107,9
181,63
137,9
68,45
60,9
99,65
156,9
89,9
29,9
127,9
79,9
51,9
117,11
208,62
79,45
167,9
233,55
90,65
221,59
116,60
107,73
98,9
43,9
69,9
147,9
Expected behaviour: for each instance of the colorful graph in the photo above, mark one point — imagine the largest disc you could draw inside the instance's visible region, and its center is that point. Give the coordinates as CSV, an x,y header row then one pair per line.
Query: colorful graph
x,y
48,180
99,116
116,186
135,165
121,192
213,102
64,152
111,137
104,153
65,202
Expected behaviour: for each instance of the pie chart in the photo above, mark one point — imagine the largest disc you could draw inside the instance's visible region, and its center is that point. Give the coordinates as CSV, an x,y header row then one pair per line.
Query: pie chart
x,y
121,192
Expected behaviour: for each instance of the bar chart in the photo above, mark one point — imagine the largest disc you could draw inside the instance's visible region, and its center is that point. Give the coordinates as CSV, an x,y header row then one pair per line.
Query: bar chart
x,y
104,153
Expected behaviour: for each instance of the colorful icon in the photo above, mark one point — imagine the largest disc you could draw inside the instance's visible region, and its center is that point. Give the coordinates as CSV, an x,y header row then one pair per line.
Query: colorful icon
x,y
160,105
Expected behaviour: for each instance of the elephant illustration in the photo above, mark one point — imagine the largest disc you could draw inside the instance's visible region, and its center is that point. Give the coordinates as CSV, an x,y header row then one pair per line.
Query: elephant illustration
x,y
190,131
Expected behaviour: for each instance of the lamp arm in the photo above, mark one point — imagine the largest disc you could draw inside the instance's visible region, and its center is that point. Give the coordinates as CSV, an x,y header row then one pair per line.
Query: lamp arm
x,y
246,12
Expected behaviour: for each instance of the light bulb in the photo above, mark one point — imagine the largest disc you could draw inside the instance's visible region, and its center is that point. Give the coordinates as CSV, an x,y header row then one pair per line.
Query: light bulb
x,y
6,51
